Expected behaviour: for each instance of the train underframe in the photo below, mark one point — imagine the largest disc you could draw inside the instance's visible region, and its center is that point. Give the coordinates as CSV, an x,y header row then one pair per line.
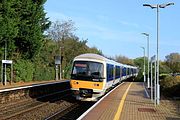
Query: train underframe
x,y
84,94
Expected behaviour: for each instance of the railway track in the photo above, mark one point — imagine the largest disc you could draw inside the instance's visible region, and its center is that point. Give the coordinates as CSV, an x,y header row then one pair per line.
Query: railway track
x,y
59,105
75,111
56,106
72,112
20,107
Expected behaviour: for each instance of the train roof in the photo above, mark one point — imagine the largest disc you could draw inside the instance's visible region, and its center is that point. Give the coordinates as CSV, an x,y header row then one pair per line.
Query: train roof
x,y
95,57
91,56
101,58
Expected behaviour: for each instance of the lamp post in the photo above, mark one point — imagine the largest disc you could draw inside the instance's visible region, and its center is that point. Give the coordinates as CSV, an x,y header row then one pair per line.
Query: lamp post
x,y
144,73
157,6
60,71
5,57
146,34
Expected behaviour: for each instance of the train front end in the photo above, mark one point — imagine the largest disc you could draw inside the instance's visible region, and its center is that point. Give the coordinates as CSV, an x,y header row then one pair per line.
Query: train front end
x,y
87,79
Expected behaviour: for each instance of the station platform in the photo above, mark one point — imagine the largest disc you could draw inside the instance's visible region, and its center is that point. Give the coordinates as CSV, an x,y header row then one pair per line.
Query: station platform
x,y
9,86
129,101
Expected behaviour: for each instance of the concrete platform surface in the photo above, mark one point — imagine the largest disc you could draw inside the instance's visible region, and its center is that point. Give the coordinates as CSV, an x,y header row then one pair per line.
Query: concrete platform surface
x,y
130,102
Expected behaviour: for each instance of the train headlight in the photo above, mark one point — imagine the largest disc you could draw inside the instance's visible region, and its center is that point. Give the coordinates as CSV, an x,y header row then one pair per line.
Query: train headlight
x,y
96,84
75,82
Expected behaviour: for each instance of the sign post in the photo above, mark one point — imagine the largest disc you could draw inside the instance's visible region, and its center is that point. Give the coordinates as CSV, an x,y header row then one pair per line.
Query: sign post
x,y
57,62
3,71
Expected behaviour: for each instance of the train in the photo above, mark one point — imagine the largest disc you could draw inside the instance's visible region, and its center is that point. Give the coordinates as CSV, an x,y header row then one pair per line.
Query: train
x,y
93,75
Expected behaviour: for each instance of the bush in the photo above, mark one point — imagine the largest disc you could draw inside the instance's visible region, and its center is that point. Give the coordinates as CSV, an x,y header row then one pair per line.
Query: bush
x,y
163,76
139,78
67,71
44,73
23,70
170,86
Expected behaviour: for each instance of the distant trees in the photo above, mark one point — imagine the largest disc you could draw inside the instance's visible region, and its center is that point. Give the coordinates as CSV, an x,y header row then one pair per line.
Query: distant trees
x,y
164,68
60,30
139,62
62,34
170,65
124,60
173,62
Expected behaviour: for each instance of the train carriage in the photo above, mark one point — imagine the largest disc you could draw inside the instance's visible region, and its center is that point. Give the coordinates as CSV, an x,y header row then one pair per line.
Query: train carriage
x,y
93,74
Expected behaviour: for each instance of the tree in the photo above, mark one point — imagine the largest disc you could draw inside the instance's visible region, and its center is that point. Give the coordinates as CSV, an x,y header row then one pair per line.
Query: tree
x,y
124,60
95,50
31,27
60,30
22,24
164,69
8,25
139,62
72,48
173,62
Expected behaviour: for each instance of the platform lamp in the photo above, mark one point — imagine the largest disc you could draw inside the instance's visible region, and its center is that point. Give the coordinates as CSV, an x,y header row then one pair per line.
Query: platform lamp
x,y
157,6
144,73
147,35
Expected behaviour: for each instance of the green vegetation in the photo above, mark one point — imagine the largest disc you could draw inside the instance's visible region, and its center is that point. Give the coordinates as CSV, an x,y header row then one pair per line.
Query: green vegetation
x,y
170,86
124,60
173,62
22,24
139,62
32,42
23,70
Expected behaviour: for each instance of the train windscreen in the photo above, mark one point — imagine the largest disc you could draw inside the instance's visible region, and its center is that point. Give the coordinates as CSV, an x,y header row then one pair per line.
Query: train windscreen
x,y
87,70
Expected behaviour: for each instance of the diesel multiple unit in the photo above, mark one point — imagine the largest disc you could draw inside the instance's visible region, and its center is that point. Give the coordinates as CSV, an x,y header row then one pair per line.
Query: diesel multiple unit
x,y
92,75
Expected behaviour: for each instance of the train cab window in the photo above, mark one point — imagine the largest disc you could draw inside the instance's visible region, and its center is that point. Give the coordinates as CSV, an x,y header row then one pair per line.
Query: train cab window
x,y
80,68
87,70
95,69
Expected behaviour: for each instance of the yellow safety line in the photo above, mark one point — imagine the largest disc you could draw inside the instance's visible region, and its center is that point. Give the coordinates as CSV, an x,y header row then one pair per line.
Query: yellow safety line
x,y
118,113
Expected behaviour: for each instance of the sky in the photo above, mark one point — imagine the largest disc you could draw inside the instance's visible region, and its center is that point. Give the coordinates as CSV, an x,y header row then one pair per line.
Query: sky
x,y
115,26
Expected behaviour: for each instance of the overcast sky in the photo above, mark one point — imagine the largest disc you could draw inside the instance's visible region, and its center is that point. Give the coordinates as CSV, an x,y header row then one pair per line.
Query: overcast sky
x,y
115,26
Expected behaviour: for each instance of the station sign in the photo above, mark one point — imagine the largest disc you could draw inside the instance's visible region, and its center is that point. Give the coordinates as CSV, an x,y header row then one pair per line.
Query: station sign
x,y
57,60
153,58
7,61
